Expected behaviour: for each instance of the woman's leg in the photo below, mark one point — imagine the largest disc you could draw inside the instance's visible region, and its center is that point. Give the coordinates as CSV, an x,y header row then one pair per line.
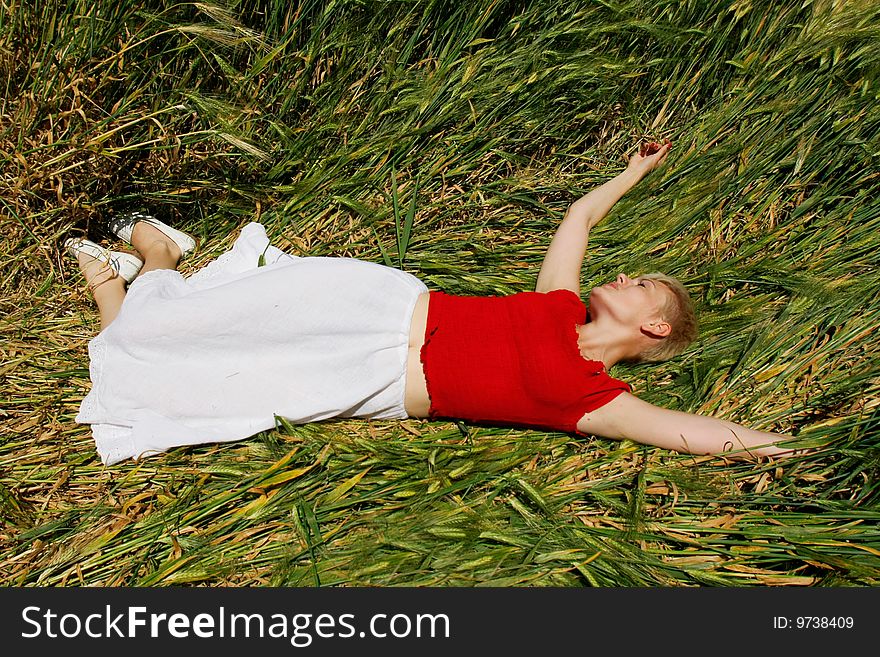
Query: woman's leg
x,y
157,250
107,288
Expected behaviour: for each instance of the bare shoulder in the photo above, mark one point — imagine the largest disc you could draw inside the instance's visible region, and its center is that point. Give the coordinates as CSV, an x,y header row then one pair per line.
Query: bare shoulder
x,y
620,417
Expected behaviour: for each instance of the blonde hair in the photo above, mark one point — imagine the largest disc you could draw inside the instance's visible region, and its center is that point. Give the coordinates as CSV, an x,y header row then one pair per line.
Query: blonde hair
x,y
679,312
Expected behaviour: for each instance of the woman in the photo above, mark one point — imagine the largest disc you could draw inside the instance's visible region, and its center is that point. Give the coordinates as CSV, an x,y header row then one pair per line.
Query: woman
x,y
259,334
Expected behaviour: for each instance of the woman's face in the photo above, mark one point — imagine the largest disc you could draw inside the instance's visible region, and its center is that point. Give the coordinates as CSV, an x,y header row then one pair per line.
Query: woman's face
x,y
629,301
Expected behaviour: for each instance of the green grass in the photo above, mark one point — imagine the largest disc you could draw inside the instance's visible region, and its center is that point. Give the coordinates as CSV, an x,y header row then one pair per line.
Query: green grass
x,y
448,139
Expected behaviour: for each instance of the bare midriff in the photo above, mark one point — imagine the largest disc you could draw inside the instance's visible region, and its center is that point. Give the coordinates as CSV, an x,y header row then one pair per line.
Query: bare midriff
x,y
416,400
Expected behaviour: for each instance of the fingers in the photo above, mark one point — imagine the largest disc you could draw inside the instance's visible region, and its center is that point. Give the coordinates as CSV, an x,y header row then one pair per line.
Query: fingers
x,y
653,147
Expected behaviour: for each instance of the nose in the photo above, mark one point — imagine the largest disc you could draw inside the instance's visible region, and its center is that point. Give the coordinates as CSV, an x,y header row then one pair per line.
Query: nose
x,y
622,279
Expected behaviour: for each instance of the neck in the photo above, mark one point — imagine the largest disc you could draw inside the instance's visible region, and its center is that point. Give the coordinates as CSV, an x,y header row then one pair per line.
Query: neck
x,y
595,343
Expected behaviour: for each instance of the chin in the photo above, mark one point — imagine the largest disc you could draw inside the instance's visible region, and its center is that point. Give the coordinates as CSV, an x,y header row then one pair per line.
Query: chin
x,y
597,292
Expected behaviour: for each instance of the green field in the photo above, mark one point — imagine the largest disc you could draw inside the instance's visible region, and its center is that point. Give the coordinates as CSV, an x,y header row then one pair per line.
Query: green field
x,y
448,139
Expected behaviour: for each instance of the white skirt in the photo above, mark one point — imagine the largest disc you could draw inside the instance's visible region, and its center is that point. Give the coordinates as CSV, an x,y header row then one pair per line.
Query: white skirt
x,y
216,356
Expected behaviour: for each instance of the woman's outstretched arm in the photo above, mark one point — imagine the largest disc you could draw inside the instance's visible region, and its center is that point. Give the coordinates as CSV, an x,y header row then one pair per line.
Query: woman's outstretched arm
x,y
628,417
561,268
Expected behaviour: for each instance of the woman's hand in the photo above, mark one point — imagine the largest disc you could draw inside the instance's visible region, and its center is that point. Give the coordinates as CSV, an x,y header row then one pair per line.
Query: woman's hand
x,y
649,157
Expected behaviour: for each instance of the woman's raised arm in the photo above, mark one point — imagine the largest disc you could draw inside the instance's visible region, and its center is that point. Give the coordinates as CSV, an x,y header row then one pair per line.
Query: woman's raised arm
x,y
561,268
628,417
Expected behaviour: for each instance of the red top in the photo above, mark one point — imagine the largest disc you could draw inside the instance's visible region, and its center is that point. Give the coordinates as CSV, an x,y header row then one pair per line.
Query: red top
x,y
512,360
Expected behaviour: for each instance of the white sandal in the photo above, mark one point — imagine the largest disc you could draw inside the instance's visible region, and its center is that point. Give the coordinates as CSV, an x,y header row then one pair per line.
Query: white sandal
x,y
122,264
123,226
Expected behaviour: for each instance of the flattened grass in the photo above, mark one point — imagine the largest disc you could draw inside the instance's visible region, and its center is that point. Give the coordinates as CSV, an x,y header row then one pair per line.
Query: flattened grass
x,y
448,139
